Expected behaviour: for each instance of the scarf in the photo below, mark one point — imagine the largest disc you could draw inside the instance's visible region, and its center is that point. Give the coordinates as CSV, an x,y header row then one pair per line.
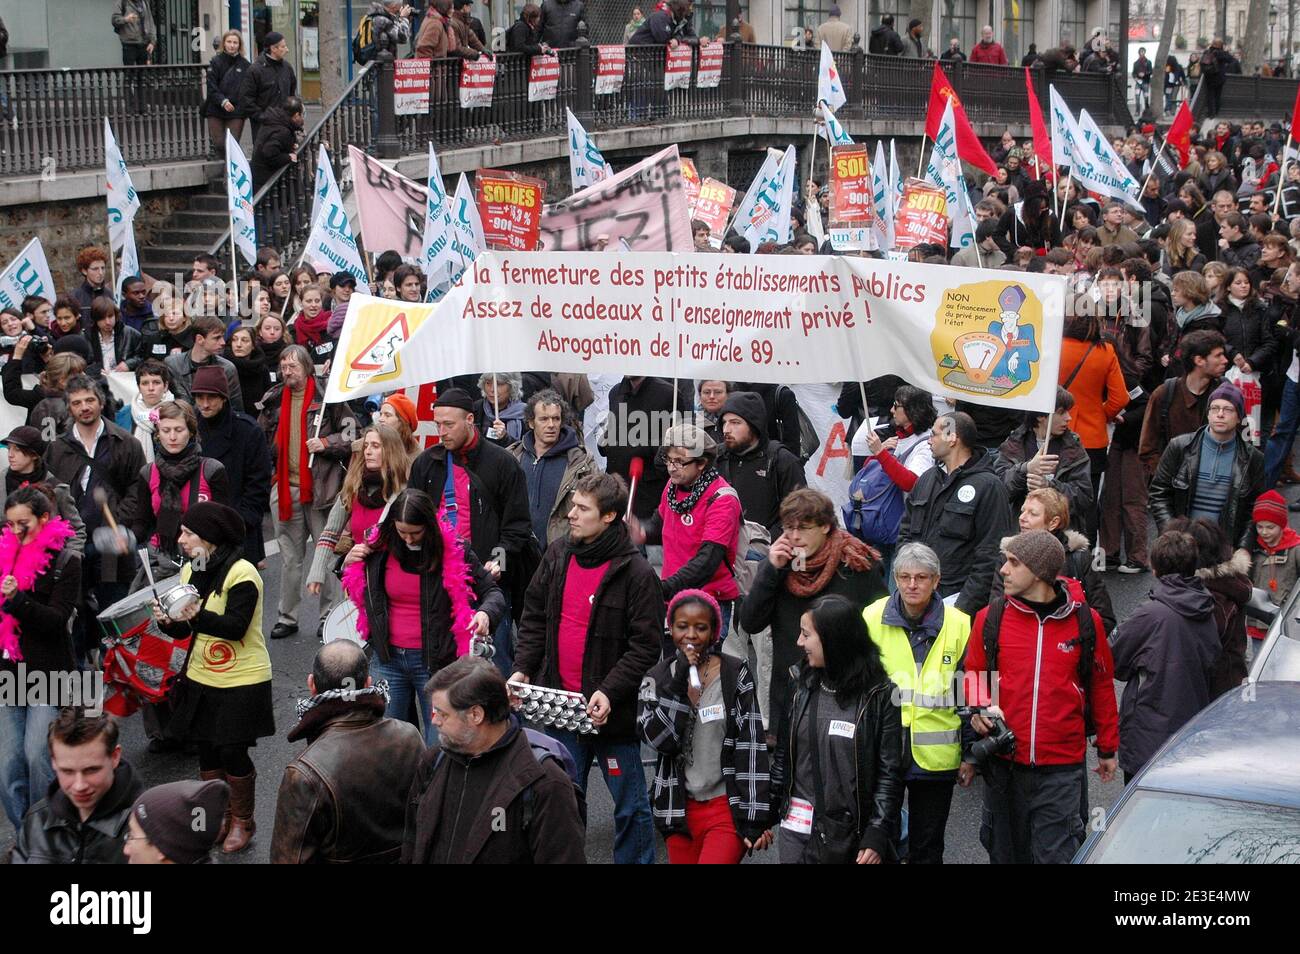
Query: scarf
x,y
285,501
341,700
592,553
686,504
174,472
216,567
840,548
456,581
27,563
40,475
371,492
310,331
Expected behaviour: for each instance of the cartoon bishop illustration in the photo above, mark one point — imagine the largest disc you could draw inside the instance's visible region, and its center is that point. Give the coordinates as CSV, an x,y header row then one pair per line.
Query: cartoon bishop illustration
x,y
1021,348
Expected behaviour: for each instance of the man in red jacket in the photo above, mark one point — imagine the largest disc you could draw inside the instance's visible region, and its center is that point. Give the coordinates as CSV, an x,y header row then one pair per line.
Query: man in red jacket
x,y
987,50
1035,638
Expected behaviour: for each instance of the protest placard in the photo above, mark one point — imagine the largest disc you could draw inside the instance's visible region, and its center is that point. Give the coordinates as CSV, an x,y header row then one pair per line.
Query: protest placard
x,y
611,61
677,67
477,78
852,214
710,73
713,207
510,205
922,216
543,78
411,87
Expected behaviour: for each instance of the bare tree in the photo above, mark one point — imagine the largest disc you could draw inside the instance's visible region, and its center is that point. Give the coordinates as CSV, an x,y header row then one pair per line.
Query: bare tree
x,y
333,40
1254,44
1156,108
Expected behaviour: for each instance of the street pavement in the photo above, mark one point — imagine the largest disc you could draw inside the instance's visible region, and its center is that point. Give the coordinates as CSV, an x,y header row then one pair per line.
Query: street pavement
x,y
291,661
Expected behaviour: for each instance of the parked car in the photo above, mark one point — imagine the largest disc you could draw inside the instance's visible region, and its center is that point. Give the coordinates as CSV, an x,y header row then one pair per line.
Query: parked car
x,y
1224,790
1277,659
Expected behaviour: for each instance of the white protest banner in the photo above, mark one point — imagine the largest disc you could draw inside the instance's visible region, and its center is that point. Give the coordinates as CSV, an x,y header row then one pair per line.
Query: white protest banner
x,y
543,77
1102,149
390,206
123,202
27,274
586,164
764,213
709,75
644,204
1070,147
797,319
239,200
830,89
477,78
831,468
677,67
331,243
411,87
944,169
883,200
611,61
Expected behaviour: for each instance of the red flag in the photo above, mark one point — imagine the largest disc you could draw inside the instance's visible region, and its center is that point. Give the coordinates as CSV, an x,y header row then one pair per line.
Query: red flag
x,y
1042,141
1179,135
968,145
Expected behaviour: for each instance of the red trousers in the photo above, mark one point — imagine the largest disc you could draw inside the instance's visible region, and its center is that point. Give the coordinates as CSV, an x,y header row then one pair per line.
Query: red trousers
x,y
712,839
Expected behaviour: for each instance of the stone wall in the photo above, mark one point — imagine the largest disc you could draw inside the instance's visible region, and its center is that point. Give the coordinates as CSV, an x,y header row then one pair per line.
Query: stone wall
x,y
65,228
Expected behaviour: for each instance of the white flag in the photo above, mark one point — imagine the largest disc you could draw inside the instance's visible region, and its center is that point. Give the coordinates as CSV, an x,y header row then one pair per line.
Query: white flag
x,y
440,261
28,274
586,165
896,180
130,266
239,193
831,130
462,240
1070,147
122,198
764,214
830,89
944,170
882,197
1104,151
331,243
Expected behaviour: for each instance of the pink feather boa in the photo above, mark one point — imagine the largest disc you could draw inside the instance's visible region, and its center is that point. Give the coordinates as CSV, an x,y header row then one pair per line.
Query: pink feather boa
x,y
456,580
26,563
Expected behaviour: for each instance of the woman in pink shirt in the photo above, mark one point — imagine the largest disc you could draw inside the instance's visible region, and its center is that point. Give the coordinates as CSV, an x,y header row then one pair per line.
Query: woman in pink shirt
x,y
378,471
420,595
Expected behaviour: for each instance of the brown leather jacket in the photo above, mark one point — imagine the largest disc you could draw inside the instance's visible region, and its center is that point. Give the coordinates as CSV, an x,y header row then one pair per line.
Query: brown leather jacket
x,y
343,799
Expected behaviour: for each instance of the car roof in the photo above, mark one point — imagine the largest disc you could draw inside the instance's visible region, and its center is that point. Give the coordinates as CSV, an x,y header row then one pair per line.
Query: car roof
x,y
1245,746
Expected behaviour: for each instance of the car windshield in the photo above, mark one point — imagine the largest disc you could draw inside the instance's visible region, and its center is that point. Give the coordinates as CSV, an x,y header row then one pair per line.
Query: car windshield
x,y
1162,828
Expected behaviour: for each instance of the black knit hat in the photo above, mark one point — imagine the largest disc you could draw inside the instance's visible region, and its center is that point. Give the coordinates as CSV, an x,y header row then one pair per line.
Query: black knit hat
x,y
457,398
182,819
215,523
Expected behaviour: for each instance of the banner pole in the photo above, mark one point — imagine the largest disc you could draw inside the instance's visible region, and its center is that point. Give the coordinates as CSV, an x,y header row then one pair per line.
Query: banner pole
x,y
920,160
1281,176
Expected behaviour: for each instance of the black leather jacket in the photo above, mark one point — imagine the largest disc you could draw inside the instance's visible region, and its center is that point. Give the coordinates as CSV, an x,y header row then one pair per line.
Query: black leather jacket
x,y
1174,486
879,742
54,834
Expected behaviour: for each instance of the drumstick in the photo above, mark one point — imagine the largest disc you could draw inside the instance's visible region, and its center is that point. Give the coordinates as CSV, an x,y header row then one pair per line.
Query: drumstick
x,y
101,498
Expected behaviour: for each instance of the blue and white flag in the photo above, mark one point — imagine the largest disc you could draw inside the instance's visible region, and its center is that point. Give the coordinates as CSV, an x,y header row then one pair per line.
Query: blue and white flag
x,y
895,179
1089,163
239,194
123,202
1105,152
944,170
764,213
882,198
586,165
331,243
830,88
28,274
460,239
438,259
832,131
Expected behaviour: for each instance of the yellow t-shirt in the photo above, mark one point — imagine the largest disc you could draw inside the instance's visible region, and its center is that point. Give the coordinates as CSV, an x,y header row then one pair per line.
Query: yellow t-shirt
x,y
223,663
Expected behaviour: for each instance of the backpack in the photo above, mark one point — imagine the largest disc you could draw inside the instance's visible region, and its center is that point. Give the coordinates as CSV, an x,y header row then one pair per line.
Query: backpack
x,y
1087,641
364,47
876,504
750,536
808,439
544,747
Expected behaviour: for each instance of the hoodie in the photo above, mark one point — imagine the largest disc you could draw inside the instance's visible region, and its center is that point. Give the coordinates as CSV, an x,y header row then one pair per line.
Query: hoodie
x,y
544,477
1165,652
765,472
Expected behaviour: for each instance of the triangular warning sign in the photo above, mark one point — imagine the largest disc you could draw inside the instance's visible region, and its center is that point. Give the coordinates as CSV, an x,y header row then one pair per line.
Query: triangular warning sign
x,y
380,355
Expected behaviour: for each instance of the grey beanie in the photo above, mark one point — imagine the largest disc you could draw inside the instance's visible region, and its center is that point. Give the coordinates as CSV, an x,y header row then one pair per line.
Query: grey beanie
x,y
1039,550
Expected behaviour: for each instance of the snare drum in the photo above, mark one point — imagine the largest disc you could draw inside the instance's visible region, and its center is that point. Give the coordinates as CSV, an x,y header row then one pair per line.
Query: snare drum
x,y
140,660
341,623
125,617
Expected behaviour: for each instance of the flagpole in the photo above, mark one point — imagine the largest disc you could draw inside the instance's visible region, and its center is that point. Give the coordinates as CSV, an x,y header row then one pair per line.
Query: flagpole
x,y
1155,162
920,160
1281,176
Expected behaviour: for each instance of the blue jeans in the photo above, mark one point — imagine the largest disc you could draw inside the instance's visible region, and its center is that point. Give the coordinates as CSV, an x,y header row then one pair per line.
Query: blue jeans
x,y
504,658
620,763
887,551
25,770
1278,449
406,675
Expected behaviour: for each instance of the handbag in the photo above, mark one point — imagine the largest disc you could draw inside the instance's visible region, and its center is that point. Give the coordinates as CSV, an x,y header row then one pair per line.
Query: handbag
x,y
834,838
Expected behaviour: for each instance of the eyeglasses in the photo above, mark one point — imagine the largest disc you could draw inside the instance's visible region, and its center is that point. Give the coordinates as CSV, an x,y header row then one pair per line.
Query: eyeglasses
x,y
675,463
908,578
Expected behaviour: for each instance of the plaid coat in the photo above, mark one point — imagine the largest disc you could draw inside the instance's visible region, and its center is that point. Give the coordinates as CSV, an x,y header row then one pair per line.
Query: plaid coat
x,y
665,715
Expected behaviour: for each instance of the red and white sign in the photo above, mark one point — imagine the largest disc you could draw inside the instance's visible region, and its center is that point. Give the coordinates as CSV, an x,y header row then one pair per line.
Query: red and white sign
x,y
611,61
922,216
713,208
677,67
851,211
691,179
411,87
543,78
477,77
710,75
510,205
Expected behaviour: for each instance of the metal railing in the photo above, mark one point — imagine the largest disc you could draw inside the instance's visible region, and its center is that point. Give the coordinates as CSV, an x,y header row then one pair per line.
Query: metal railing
x,y
1252,97
282,206
53,120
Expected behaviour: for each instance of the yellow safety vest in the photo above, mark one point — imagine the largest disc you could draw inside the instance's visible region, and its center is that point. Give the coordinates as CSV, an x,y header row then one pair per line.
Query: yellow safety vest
x,y
927,701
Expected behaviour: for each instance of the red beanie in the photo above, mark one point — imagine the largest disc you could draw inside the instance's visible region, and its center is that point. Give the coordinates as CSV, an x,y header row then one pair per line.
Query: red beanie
x,y
405,409
1271,507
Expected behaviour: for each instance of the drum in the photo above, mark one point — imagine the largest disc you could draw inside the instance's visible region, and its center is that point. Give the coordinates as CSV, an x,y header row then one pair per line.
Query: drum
x,y
127,616
341,623
140,660
177,600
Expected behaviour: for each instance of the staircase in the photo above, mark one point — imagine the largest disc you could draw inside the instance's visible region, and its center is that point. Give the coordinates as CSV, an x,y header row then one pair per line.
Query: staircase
x,y
187,233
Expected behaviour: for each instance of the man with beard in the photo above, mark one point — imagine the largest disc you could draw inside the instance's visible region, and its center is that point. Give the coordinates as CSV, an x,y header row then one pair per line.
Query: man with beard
x,y
762,471
554,461
592,622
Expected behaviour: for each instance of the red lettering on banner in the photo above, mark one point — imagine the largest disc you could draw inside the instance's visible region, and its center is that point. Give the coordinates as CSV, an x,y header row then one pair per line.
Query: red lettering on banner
x,y
835,445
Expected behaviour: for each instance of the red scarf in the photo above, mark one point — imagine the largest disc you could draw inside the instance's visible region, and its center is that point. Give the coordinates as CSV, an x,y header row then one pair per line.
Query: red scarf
x,y
310,331
282,451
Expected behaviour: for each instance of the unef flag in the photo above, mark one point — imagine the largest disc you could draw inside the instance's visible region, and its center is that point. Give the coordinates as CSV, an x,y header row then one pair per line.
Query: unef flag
x,y
831,130
239,195
830,88
331,243
586,164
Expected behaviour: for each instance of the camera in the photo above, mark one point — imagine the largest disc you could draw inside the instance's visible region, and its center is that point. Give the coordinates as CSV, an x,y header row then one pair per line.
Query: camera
x,y
1000,740
8,341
